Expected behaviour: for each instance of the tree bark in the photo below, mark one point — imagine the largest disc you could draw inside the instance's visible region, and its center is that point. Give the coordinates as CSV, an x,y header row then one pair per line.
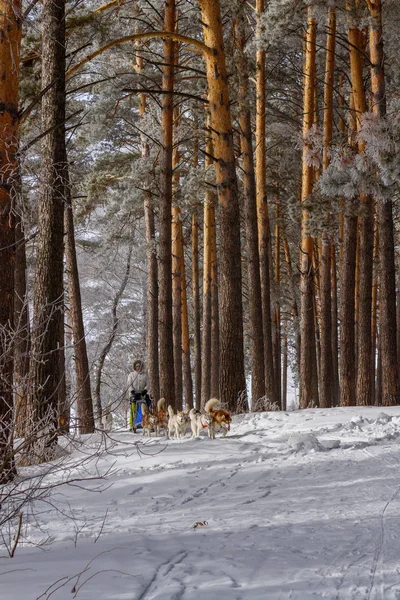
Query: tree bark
x,y
277,343
22,323
10,45
366,235
83,389
167,383
214,381
207,267
196,307
177,250
187,368
263,219
326,380
308,393
250,218
48,302
232,380
152,298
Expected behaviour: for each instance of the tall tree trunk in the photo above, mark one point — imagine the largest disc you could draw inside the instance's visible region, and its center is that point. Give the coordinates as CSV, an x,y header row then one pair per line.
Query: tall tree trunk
x,y
187,368
250,214
214,381
284,368
167,384
22,325
177,250
107,347
232,379
196,307
387,305
277,344
366,234
308,393
374,308
209,220
196,283
326,379
10,44
334,328
152,298
48,296
152,265
83,389
263,219
348,273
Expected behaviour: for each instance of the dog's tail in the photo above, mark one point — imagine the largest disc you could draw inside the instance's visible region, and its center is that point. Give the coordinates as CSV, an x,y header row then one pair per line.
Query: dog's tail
x,y
161,404
170,411
193,412
211,404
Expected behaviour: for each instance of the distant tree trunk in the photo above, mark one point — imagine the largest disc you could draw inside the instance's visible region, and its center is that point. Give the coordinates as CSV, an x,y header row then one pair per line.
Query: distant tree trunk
x,y
326,379
348,291
196,307
284,368
250,217
374,309
263,218
295,310
214,380
83,389
22,325
308,393
378,385
49,289
152,266
366,235
277,343
177,250
167,384
209,221
187,367
152,298
232,379
10,44
334,327
387,305
106,349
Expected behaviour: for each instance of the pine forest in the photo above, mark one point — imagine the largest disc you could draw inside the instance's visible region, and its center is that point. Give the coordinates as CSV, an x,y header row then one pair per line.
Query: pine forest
x,y
211,186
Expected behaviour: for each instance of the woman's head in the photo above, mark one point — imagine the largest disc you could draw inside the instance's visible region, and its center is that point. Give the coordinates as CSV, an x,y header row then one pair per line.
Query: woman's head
x,y
137,365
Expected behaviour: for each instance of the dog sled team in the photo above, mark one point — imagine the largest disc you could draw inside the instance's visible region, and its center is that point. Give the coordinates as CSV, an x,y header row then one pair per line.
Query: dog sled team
x,y
163,419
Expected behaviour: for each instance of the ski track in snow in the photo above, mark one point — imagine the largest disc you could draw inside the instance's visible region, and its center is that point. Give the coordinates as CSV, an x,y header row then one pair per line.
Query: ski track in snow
x,y
298,506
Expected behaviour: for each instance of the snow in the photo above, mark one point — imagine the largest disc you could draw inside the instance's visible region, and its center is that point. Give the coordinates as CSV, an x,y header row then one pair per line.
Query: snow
x,y
299,505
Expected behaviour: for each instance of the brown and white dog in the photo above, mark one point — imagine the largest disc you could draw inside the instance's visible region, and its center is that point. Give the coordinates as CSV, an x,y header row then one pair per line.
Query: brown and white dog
x,y
150,422
199,421
162,415
221,419
177,423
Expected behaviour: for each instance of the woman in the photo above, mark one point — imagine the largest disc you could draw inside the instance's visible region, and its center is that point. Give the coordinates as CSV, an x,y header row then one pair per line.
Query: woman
x,y
138,384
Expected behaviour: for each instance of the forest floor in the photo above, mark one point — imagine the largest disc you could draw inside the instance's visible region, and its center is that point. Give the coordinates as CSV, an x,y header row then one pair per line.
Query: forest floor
x,y
298,505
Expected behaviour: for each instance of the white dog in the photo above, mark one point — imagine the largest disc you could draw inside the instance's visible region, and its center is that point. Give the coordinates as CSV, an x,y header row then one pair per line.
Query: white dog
x,y
177,423
199,421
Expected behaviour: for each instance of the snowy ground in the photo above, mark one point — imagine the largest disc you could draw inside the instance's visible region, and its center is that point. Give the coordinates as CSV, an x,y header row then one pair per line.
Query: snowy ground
x,y
295,505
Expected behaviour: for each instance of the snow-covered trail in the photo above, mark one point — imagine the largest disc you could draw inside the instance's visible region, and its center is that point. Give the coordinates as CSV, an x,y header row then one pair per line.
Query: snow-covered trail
x,y
295,506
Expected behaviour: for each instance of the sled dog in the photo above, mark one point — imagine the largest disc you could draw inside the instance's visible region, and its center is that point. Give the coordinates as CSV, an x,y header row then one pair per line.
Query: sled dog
x,y
221,419
199,421
150,422
162,415
177,423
